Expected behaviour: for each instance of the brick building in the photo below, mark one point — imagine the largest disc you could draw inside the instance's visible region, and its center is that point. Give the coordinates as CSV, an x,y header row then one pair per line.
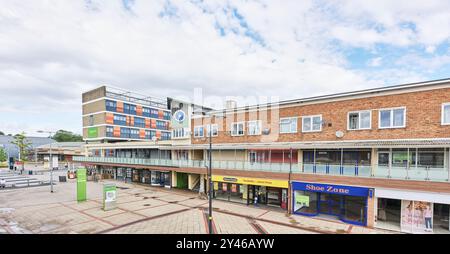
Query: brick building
x,y
377,157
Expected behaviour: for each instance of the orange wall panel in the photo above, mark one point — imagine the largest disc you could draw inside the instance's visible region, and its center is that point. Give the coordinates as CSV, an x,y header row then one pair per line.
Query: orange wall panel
x,y
119,107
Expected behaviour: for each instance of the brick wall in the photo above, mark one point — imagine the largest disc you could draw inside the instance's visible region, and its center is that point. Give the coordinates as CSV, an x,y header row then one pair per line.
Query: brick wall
x,y
423,119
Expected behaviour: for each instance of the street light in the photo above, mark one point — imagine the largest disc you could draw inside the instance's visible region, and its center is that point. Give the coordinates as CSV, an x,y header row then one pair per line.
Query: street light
x,y
50,161
210,183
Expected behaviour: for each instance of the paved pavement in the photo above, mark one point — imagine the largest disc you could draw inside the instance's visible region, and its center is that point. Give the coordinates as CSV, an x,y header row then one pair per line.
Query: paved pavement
x,y
145,209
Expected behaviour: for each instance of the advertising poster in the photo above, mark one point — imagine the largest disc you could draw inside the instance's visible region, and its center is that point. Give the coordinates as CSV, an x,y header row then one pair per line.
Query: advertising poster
x,y
109,196
417,217
233,188
224,186
300,201
81,184
216,186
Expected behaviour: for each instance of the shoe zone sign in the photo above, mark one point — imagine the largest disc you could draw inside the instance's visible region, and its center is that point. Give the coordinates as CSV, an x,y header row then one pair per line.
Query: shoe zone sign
x,y
332,189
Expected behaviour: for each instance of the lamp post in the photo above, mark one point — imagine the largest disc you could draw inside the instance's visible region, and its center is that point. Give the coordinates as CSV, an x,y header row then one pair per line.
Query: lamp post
x,y
210,181
50,161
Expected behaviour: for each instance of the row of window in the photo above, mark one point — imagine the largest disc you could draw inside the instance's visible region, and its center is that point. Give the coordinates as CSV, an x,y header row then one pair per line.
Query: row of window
x,y
135,133
139,122
357,120
132,110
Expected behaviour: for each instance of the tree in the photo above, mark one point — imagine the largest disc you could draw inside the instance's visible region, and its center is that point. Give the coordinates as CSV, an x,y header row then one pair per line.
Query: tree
x,y
3,155
20,140
2,133
67,136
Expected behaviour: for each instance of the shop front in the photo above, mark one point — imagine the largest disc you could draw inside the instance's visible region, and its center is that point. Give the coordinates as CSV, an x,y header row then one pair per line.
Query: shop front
x,y
347,203
412,212
251,191
161,178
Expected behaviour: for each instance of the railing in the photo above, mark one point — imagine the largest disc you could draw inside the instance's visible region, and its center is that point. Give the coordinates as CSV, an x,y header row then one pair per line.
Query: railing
x,y
420,173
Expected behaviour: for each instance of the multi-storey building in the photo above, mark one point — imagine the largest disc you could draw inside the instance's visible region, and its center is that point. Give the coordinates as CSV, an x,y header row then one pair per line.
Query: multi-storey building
x,y
377,157
111,114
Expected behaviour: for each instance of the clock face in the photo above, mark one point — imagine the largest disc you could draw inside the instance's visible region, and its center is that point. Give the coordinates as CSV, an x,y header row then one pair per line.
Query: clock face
x,y
179,116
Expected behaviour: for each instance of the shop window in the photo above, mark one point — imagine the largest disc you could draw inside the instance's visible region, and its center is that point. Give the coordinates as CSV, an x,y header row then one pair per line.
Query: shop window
x,y
305,202
212,128
311,123
328,157
288,125
359,120
237,129
254,127
446,113
354,209
357,157
198,131
392,118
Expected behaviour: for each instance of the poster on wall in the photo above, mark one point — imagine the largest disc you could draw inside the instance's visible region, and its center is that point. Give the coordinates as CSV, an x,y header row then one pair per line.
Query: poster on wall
x,y
417,217
301,201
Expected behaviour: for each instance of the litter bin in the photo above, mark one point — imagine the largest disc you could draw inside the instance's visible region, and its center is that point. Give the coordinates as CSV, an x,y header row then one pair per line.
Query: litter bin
x,y
62,179
30,172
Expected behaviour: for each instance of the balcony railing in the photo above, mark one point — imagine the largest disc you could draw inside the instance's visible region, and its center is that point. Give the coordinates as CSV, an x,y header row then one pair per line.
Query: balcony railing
x,y
421,173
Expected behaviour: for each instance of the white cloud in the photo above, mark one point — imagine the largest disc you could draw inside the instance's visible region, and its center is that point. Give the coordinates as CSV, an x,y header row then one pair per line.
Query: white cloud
x,y
51,51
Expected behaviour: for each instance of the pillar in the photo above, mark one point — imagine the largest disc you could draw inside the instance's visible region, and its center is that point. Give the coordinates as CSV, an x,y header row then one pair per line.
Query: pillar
x,y
373,161
371,211
174,179
202,184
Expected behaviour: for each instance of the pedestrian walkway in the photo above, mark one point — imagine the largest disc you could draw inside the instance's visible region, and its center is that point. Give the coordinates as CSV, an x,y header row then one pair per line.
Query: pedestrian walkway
x,y
145,209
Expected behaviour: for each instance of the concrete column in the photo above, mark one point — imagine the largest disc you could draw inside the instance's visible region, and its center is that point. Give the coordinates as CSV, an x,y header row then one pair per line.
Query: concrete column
x,y
374,161
174,179
202,184
371,211
300,158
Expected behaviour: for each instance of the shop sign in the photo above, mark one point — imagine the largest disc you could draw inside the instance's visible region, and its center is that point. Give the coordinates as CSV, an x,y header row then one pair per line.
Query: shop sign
x,y
332,189
416,217
93,132
109,196
81,184
251,181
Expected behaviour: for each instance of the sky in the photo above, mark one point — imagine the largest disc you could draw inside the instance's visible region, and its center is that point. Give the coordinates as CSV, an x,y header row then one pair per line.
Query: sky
x,y
251,51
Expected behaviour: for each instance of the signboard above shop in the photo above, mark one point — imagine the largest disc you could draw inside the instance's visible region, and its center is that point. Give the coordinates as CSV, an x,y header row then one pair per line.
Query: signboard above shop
x,y
251,181
332,189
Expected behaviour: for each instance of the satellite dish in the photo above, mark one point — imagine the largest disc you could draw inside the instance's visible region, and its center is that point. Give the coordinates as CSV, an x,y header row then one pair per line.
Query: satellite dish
x,y
339,134
266,131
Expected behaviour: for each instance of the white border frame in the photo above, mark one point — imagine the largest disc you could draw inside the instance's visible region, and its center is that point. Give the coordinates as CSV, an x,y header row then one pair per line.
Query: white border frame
x,y
312,123
392,118
243,129
214,124
259,123
284,118
442,113
198,126
359,120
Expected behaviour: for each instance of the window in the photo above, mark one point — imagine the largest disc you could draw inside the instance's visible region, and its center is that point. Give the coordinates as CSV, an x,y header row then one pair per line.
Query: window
x,y
237,129
198,131
91,120
392,118
360,120
446,114
312,123
254,127
288,125
214,131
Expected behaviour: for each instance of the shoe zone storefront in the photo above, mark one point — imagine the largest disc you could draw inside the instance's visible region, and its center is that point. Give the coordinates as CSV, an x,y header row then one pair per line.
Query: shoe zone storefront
x,y
347,203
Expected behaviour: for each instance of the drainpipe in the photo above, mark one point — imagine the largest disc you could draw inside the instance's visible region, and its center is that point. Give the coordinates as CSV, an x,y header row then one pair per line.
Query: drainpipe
x,y
289,182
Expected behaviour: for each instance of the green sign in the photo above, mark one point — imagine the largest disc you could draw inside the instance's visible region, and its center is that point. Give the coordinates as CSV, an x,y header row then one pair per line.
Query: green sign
x,y
302,200
81,184
109,196
93,132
